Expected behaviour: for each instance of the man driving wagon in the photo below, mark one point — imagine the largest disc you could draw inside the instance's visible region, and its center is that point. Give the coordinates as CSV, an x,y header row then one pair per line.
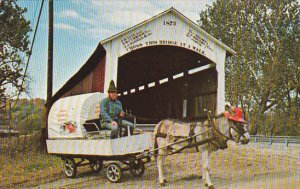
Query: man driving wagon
x,y
111,113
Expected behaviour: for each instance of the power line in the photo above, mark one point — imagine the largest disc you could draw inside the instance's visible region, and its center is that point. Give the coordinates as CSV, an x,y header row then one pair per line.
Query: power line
x,y
35,12
30,52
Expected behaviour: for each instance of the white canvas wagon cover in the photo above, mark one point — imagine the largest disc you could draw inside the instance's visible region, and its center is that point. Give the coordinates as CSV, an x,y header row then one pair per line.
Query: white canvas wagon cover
x,y
67,115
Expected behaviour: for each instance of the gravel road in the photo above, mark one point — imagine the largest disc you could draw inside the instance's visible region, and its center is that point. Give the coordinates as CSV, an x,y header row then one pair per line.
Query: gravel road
x,y
235,167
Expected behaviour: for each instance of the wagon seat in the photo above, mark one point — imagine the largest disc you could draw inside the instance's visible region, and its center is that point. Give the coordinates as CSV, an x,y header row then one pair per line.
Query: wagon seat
x,y
93,128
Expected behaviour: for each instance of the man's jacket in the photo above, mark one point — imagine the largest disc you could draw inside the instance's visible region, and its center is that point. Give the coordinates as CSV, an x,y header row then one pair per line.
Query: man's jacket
x,y
110,110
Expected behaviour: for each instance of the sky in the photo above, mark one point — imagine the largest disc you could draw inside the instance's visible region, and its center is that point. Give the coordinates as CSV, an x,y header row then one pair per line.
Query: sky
x,y
79,26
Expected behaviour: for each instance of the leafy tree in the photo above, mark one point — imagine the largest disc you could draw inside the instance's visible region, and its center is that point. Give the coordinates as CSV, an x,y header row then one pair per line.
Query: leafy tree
x,y
29,115
14,47
265,75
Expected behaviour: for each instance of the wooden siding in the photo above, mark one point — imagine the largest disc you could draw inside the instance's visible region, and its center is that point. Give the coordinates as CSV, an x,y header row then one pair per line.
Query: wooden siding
x,y
93,82
99,77
90,77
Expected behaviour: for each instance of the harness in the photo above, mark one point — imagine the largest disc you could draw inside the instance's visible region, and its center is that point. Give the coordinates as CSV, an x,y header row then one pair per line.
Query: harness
x,y
240,130
220,139
192,142
214,135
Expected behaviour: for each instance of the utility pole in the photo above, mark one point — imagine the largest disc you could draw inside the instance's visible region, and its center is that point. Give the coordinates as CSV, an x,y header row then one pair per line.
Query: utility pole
x,y
9,116
50,64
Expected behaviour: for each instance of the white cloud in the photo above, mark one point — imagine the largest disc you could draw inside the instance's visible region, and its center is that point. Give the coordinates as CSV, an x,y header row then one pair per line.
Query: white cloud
x,y
124,14
121,4
97,33
69,13
76,16
126,18
78,1
64,27
103,18
194,16
190,8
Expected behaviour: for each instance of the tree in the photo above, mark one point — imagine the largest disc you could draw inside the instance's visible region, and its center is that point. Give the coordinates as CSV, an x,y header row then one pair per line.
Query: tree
x,y
265,74
14,48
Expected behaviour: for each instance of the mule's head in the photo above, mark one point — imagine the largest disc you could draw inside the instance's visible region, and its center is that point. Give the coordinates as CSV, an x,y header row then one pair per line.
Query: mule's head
x,y
237,126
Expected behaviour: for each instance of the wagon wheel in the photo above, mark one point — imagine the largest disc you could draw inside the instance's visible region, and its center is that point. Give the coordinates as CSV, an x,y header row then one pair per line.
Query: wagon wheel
x,y
70,167
96,166
114,172
137,168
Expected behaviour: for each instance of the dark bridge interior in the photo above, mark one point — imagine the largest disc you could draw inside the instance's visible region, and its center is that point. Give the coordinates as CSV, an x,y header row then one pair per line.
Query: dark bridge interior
x,y
184,97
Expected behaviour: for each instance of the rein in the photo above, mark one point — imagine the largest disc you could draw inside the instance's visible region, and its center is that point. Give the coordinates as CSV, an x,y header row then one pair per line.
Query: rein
x,y
183,140
191,145
217,138
240,132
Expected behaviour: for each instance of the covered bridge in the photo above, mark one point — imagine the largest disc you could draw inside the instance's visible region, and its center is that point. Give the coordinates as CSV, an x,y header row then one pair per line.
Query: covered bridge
x,y
166,66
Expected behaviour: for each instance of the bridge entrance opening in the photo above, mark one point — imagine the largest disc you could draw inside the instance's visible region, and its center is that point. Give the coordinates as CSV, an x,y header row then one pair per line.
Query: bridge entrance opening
x,y
166,82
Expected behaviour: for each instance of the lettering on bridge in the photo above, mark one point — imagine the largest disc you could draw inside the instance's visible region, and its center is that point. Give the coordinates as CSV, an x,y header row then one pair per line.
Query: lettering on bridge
x,y
130,41
198,39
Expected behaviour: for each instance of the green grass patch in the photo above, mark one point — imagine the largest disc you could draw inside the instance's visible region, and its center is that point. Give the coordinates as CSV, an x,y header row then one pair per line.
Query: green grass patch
x,y
23,163
29,170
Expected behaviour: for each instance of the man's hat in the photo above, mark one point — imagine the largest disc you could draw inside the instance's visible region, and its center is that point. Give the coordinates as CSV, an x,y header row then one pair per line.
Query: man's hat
x,y
112,87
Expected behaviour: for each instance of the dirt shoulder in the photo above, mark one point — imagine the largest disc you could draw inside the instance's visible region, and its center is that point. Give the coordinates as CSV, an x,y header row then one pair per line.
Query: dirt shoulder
x,y
235,167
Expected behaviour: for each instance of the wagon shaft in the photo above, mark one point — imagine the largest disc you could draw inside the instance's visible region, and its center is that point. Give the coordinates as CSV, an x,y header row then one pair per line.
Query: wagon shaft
x,y
198,143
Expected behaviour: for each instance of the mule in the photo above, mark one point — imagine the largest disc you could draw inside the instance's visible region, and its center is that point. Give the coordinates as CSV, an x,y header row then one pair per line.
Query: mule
x,y
214,133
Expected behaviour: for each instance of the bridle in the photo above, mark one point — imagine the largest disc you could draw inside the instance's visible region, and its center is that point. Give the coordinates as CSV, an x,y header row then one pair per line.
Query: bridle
x,y
238,129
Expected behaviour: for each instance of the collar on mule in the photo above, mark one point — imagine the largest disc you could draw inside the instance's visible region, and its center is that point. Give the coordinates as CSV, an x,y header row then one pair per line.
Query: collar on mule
x,y
220,138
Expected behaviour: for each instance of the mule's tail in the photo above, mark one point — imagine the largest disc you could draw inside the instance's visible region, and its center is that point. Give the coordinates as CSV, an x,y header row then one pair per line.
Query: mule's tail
x,y
156,131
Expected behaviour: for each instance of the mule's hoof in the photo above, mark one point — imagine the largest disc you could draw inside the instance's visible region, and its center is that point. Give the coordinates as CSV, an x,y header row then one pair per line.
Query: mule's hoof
x,y
209,186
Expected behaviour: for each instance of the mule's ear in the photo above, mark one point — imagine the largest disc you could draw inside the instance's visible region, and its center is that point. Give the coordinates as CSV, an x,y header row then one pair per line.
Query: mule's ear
x,y
227,107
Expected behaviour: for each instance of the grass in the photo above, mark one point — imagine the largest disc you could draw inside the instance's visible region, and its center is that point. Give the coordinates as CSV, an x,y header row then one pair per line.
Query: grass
x,y
23,163
29,170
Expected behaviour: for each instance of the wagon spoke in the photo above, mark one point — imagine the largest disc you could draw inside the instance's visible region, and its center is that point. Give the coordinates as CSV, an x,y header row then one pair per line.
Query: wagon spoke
x,y
70,168
114,172
137,168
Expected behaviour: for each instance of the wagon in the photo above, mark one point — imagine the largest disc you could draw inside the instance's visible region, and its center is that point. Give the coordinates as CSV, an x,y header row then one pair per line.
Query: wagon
x,y
76,136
